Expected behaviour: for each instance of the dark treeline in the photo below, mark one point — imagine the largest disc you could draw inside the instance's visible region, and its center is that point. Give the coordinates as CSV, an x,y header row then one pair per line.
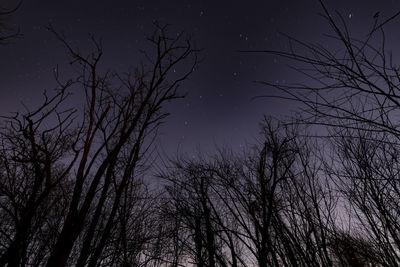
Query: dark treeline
x,y
322,189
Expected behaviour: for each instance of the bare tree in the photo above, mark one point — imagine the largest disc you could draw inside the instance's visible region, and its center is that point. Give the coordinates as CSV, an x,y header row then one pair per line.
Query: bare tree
x,y
267,207
367,176
32,171
194,204
353,86
257,197
96,154
277,198
352,96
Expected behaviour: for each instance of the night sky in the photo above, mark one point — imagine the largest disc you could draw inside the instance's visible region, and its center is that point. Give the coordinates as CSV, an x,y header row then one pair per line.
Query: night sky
x,y
219,108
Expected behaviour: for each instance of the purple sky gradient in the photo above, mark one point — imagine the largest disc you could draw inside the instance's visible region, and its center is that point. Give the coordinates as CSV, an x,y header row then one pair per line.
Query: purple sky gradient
x,y
219,108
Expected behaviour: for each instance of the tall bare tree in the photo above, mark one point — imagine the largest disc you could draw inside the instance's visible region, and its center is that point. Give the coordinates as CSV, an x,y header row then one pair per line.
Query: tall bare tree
x,y
193,203
267,207
92,156
352,95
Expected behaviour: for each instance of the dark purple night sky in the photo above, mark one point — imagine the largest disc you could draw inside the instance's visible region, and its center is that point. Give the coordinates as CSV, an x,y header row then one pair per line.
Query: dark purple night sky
x,y
219,108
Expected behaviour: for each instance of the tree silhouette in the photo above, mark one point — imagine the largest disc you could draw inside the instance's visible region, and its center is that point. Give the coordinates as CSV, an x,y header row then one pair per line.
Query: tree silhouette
x,y
89,160
352,97
266,207
321,189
